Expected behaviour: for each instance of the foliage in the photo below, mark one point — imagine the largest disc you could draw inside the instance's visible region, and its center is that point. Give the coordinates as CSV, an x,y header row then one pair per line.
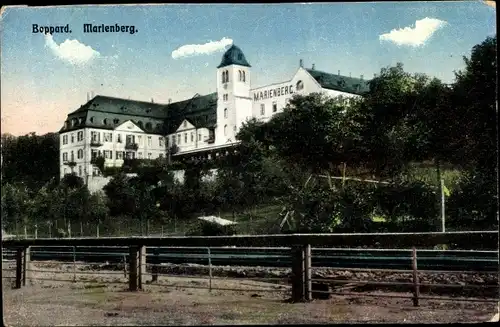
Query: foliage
x,y
31,159
203,228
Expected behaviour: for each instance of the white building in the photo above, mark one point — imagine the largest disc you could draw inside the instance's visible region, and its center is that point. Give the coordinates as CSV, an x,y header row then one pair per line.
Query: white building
x,y
118,128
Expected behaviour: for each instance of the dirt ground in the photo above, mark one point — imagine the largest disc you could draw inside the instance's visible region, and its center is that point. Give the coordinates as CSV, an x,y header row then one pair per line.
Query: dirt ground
x,y
92,300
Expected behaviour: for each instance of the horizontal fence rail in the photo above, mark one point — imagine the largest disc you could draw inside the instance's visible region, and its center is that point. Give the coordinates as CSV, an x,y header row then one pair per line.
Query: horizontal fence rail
x,y
139,257
443,260
382,239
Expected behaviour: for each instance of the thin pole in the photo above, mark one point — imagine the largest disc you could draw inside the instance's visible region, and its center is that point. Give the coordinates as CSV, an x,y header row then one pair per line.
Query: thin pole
x,y
416,290
74,263
443,218
209,271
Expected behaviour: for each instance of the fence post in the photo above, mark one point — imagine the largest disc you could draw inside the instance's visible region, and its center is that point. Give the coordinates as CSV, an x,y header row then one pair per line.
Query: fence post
x,y
156,262
125,266
36,231
298,273
416,291
209,271
133,265
22,266
97,231
307,273
142,265
81,229
74,264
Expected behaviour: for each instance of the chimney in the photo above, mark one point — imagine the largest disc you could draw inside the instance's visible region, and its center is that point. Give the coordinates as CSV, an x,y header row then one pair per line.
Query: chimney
x,y
152,100
169,101
361,77
313,66
350,74
338,72
301,63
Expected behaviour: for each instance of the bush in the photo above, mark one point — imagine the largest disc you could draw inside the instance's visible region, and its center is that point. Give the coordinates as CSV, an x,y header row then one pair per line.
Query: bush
x,y
203,228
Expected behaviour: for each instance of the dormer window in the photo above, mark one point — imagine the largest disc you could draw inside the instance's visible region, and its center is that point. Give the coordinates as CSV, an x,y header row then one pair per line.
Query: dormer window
x,y
240,57
116,121
185,124
105,121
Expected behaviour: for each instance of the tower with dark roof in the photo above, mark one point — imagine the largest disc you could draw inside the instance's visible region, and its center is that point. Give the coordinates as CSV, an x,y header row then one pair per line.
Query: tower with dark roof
x,y
234,105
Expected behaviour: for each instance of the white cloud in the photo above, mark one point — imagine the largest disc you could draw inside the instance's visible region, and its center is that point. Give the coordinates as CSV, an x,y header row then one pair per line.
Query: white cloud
x,y
190,50
416,36
71,51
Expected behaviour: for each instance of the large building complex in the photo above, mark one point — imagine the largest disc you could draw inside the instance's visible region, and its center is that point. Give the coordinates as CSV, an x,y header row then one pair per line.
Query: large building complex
x,y
118,128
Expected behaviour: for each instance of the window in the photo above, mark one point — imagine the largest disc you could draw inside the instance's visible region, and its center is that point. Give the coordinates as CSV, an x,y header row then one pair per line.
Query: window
x,y
179,138
275,107
65,156
225,97
140,124
65,171
262,109
139,155
119,138
116,121
79,136
160,139
108,155
80,171
299,86
130,155
96,136
149,126
244,77
192,136
80,154
91,119
225,130
119,155
150,141
199,137
72,156
65,139
240,75
108,137
185,137
72,138
105,121
185,123
225,113
94,154
139,140
130,139
150,155
173,139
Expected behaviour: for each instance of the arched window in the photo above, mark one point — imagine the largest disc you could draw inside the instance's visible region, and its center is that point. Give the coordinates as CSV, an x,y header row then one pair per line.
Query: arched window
x,y
299,86
227,76
91,119
225,130
244,77
105,121
240,76
149,126
140,124
116,121
80,154
225,113
223,77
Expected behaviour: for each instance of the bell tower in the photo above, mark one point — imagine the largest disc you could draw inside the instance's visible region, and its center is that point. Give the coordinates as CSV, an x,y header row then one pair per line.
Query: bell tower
x,y
234,104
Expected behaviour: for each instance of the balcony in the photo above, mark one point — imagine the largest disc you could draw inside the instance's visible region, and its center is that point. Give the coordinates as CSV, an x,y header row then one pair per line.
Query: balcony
x,y
95,143
131,146
70,163
210,140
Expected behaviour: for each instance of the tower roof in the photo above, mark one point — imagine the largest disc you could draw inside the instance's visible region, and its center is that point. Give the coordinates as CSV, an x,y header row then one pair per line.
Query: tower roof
x,y
233,56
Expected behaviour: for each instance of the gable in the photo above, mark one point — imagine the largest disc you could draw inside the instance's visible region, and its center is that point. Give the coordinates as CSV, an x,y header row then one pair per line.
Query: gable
x,y
185,125
129,126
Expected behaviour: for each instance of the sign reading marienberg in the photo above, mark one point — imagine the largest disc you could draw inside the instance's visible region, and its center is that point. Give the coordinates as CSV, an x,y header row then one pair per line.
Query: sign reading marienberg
x,y
273,93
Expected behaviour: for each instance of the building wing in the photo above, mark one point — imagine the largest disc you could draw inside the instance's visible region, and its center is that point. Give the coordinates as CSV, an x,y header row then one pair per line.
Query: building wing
x,y
340,83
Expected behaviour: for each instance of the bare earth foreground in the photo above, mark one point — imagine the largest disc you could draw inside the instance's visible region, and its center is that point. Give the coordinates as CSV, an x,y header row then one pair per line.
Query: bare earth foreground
x,y
92,300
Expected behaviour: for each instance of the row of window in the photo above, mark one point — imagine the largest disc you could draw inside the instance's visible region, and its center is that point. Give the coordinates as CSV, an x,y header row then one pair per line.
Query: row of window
x,y
241,76
79,137
263,108
129,138
108,122
176,139
120,155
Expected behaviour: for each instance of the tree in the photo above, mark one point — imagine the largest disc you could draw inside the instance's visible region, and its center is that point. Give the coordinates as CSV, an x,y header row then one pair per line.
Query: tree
x,y
31,159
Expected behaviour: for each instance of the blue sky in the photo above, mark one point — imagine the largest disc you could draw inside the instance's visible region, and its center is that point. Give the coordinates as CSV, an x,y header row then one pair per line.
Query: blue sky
x,y
43,79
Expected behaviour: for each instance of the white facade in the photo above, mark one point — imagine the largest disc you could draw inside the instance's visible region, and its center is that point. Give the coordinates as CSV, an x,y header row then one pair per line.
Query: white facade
x,y
77,148
237,102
